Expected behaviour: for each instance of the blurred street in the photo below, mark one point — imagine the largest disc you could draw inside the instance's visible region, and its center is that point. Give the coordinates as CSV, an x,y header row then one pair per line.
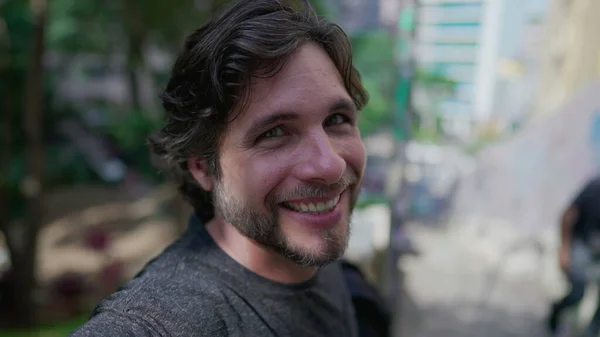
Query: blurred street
x,y
477,278
466,283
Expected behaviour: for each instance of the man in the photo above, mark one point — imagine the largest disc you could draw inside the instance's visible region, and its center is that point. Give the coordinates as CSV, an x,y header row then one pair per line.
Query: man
x,y
262,136
579,250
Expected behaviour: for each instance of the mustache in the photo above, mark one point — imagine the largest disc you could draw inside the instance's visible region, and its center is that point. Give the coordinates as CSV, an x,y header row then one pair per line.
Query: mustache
x,y
318,190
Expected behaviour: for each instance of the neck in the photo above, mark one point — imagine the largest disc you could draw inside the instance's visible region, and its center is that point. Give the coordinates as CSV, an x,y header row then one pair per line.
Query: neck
x,y
260,259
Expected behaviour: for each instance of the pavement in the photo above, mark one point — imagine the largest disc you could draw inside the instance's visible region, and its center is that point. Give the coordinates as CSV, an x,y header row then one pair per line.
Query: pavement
x,y
481,277
474,277
469,284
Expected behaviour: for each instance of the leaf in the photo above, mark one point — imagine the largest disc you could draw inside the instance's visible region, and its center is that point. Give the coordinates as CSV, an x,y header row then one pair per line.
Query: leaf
x,y
377,111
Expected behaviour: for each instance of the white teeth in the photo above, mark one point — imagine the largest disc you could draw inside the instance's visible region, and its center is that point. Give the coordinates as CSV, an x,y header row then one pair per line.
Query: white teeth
x,y
330,204
320,207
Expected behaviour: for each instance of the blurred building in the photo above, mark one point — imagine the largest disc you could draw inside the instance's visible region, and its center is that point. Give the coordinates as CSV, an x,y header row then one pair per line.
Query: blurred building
x,y
357,16
450,42
519,61
471,42
389,10
571,58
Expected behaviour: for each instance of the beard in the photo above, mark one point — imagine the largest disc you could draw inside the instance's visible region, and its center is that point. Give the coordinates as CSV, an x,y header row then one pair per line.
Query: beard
x,y
265,228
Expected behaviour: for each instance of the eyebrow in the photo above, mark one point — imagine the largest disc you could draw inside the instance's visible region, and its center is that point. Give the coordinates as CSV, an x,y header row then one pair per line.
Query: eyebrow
x,y
264,123
343,104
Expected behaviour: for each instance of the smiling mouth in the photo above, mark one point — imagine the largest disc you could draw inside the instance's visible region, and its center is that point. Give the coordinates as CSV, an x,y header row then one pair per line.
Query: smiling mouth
x,y
313,207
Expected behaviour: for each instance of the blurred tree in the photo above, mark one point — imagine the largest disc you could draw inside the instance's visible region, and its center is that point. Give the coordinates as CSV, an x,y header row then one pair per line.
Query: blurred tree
x,y
33,186
95,26
374,58
22,239
13,15
24,144
160,22
379,110
82,26
436,87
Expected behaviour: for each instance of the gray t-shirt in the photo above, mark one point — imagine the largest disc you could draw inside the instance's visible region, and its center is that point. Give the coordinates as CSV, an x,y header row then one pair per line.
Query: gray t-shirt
x,y
194,289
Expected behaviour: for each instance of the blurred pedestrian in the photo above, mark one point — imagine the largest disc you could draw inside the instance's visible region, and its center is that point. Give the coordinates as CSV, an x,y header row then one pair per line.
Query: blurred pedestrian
x,y
579,251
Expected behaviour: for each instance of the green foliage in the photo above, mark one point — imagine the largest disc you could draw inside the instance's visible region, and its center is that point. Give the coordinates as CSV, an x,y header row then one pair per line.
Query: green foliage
x,y
69,167
321,7
377,111
99,26
130,129
373,54
82,26
435,80
15,34
437,87
374,58
428,135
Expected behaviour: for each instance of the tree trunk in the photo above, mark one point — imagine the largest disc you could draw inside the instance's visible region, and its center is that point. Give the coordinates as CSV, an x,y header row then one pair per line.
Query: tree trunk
x,y
6,154
6,107
22,240
136,36
134,88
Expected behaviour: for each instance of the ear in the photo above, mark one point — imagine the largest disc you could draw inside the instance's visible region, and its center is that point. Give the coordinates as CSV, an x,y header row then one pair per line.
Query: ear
x,y
200,172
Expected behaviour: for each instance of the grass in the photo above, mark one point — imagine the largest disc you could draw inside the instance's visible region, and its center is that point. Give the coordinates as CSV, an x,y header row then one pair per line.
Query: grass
x,y
57,330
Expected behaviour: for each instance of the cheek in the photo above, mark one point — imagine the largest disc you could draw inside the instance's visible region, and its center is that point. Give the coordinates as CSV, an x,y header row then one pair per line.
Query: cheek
x,y
255,177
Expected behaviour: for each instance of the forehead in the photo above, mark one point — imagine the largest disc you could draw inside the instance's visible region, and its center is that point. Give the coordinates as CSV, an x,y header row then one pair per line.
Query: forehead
x,y
309,82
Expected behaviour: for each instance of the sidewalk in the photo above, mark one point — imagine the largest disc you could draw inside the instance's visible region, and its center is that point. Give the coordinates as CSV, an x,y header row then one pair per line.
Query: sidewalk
x,y
454,288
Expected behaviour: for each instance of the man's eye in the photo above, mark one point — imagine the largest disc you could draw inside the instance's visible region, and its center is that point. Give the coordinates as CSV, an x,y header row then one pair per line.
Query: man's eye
x,y
272,133
336,119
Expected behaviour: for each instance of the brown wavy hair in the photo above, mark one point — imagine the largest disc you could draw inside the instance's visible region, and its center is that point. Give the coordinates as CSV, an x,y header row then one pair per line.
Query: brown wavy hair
x,y
210,80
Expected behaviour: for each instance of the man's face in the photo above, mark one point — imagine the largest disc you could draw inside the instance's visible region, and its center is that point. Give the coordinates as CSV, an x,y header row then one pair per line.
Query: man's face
x,y
292,162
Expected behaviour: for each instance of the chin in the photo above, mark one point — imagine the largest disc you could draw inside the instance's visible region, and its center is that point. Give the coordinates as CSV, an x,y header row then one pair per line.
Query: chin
x,y
307,258
316,248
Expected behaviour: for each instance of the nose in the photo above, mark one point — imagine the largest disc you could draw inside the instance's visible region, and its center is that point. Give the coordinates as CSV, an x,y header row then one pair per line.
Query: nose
x,y
319,160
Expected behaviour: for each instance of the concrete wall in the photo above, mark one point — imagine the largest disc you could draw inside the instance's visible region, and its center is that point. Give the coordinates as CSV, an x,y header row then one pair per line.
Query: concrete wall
x,y
571,56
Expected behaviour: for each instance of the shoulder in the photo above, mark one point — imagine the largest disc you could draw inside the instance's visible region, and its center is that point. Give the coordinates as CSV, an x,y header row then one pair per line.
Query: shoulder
x,y
176,296
137,322
169,297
